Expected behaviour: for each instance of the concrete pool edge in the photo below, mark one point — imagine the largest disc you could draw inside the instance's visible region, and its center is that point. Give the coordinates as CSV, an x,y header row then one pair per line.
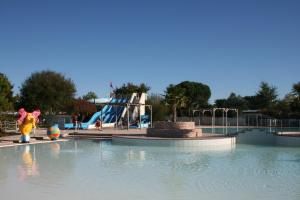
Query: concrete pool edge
x,y
179,142
261,137
9,144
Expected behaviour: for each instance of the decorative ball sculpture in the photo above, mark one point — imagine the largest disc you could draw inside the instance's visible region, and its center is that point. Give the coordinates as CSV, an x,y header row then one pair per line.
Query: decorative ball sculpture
x,y
26,122
53,132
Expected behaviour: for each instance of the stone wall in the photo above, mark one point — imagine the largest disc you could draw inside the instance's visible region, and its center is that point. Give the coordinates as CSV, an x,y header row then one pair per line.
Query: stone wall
x,y
174,130
174,125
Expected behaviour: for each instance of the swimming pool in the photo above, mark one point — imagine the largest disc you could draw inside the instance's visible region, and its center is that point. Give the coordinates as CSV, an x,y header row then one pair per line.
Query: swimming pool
x,y
86,169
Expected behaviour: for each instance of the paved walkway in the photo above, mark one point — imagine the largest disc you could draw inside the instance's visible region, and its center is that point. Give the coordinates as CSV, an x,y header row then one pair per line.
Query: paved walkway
x,y
40,135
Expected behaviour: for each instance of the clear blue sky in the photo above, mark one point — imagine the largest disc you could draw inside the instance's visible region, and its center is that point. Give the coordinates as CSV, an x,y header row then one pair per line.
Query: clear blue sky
x,y
230,45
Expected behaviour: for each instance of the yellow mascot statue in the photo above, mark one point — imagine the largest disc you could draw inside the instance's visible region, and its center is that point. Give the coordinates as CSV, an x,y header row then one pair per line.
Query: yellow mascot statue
x,y
26,122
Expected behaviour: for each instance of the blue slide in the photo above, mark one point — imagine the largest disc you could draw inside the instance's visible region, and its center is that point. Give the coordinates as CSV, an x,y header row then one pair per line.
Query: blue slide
x,y
114,113
145,122
109,114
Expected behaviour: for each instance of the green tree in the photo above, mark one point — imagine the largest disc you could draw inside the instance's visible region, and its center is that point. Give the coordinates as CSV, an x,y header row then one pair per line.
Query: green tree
x,y
197,94
90,95
221,103
233,101
296,90
295,100
49,91
159,109
6,93
252,102
175,97
267,98
126,90
283,107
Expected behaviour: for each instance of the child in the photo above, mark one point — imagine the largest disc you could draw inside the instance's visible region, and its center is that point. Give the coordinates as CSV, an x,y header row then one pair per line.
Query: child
x,y
99,125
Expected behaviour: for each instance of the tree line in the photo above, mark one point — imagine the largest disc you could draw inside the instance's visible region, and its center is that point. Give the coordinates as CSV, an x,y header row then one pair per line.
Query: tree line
x,y
53,93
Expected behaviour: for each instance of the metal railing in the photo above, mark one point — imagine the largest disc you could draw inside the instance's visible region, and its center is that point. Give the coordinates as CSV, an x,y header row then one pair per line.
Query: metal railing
x,y
9,126
271,125
243,121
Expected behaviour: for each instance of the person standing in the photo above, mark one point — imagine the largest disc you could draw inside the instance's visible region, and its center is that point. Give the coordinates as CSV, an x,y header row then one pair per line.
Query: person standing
x,y
74,120
80,121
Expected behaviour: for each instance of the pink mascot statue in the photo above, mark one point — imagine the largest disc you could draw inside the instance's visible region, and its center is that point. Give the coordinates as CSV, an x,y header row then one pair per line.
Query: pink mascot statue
x,y
26,122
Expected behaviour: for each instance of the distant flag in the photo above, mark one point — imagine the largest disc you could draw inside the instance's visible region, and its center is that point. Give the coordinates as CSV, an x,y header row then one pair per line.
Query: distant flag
x,y
111,93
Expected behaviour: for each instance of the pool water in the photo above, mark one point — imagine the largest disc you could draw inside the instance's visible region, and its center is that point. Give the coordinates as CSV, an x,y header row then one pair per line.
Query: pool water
x,y
85,169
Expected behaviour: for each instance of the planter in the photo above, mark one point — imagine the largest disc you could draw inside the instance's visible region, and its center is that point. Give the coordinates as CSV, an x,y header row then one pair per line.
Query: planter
x,y
174,130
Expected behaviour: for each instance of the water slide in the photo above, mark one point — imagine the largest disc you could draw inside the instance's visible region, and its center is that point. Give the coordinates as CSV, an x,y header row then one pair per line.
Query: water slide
x,y
139,110
109,114
145,122
114,113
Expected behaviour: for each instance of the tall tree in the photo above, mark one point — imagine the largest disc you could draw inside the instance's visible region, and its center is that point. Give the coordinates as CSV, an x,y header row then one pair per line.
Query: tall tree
x,y
47,90
252,102
221,103
296,90
267,95
233,101
267,98
126,90
283,107
6,93
90,95
295,100
197,94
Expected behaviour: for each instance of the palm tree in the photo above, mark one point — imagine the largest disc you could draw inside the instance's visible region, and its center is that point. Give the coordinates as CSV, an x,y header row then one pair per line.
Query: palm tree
x,y
175,97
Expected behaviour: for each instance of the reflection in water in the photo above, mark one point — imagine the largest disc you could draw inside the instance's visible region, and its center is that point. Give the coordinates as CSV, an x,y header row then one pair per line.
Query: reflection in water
x,y
55,149
136,155
29,166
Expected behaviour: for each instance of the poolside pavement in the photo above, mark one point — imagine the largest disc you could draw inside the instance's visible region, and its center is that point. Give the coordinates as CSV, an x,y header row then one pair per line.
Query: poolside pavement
x,y
12,137
40,136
